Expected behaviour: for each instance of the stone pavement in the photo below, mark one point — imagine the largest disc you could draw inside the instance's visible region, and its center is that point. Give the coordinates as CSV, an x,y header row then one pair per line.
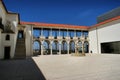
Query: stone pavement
x,y
62,67
91,67
22,69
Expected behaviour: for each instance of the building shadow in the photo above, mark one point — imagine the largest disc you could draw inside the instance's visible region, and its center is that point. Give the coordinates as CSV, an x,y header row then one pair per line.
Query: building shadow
x,y
22,69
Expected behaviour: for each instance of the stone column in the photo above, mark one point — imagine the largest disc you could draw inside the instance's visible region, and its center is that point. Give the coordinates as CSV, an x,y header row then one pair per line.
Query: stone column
x,y
41,47
51,47
76,42
68,46
60,47
82,46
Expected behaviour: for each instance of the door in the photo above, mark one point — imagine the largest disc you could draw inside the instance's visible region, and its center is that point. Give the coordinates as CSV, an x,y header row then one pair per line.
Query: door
x,y
7,53
20,35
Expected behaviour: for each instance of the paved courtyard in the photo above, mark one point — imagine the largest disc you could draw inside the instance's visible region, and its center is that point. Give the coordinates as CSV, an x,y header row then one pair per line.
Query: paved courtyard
x,y
91,67
62,67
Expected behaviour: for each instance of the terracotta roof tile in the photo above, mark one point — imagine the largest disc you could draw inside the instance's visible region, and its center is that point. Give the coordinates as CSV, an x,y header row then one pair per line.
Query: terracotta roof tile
x,y
36,24
104,22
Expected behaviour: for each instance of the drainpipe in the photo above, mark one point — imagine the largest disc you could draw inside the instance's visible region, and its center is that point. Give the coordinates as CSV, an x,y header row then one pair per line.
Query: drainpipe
x,y
97,40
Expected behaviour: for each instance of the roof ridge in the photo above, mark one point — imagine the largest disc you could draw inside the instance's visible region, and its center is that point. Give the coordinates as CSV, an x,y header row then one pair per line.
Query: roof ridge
x,y
50,23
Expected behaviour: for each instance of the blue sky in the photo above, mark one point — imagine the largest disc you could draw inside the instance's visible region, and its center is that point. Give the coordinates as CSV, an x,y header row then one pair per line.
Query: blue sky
x,y
75,12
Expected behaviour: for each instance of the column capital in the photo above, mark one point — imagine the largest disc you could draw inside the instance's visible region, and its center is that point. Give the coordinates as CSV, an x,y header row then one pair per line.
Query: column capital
x,y
68,42
60,41
51,41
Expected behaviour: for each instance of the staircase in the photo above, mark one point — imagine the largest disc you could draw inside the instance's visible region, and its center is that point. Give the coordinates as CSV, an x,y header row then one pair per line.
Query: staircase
x,y
20,51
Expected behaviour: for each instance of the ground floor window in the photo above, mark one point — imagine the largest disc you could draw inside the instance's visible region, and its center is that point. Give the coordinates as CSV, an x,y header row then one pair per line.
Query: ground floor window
x,y
110,47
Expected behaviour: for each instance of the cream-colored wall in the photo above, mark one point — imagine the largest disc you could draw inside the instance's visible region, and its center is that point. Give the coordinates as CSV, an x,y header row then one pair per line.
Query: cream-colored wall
x,y
5,43
28,40
2,13
109,32
13,18
1,54
93,41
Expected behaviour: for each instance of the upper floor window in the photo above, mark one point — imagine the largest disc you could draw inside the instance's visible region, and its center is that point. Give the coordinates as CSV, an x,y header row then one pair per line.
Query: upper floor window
x,y
7,37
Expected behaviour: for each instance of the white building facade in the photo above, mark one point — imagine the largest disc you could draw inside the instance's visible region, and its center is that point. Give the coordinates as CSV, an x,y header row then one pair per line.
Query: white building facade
x,y
105,32
17,38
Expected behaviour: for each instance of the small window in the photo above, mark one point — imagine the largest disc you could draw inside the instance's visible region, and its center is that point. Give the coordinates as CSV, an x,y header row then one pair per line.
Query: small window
x,y
7,37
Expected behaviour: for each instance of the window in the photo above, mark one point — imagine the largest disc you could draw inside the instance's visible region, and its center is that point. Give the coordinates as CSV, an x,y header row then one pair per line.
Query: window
x,y
7,37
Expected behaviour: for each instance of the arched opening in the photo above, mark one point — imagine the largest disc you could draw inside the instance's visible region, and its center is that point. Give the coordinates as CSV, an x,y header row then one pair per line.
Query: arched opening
x,y
36,48
64,47
46,49
20,34
86,47
55,47
7,37
72,47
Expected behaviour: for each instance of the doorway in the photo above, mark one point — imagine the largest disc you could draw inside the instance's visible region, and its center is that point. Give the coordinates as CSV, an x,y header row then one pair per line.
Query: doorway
x,y
7,52
20,35
111,47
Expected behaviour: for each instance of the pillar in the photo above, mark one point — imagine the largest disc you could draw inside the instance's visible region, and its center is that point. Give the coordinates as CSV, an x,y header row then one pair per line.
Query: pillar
x,y
42,47
51,47
76,42
83,47
60,47
68,46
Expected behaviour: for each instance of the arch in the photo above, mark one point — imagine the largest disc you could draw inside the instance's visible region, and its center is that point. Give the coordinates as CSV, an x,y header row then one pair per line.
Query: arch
x,y
36,47
86,46
72,47
64,47
46,48
20,34
55,47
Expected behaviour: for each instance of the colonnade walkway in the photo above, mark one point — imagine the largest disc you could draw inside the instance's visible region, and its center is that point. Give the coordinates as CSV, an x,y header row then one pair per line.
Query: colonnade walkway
x,y
62,67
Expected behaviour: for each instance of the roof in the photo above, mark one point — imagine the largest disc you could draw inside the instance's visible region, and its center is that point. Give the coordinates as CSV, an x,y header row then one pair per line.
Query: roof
x,y
39,25
104,22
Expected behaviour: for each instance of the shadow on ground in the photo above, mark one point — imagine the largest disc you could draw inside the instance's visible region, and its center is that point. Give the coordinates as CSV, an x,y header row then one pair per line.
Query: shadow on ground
x,y
24,69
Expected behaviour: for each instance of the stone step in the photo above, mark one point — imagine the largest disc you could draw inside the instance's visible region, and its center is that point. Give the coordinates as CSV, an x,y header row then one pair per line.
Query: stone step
x,y
20,51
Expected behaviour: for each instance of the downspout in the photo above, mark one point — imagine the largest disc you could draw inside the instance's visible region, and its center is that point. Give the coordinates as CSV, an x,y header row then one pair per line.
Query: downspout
x,y
97,40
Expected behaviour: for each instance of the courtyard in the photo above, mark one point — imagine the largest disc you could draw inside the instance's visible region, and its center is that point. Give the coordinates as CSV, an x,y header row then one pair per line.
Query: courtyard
x,y
62,67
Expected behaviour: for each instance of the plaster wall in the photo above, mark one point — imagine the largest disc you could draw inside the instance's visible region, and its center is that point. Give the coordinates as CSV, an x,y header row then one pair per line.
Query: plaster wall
x,y
2,13
93,41
28,40
5,43
13,18
109,32
1,55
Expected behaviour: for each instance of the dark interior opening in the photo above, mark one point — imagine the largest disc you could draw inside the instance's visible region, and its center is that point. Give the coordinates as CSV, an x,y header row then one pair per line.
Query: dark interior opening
x,y
7,37
110,47
20,35
7,52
